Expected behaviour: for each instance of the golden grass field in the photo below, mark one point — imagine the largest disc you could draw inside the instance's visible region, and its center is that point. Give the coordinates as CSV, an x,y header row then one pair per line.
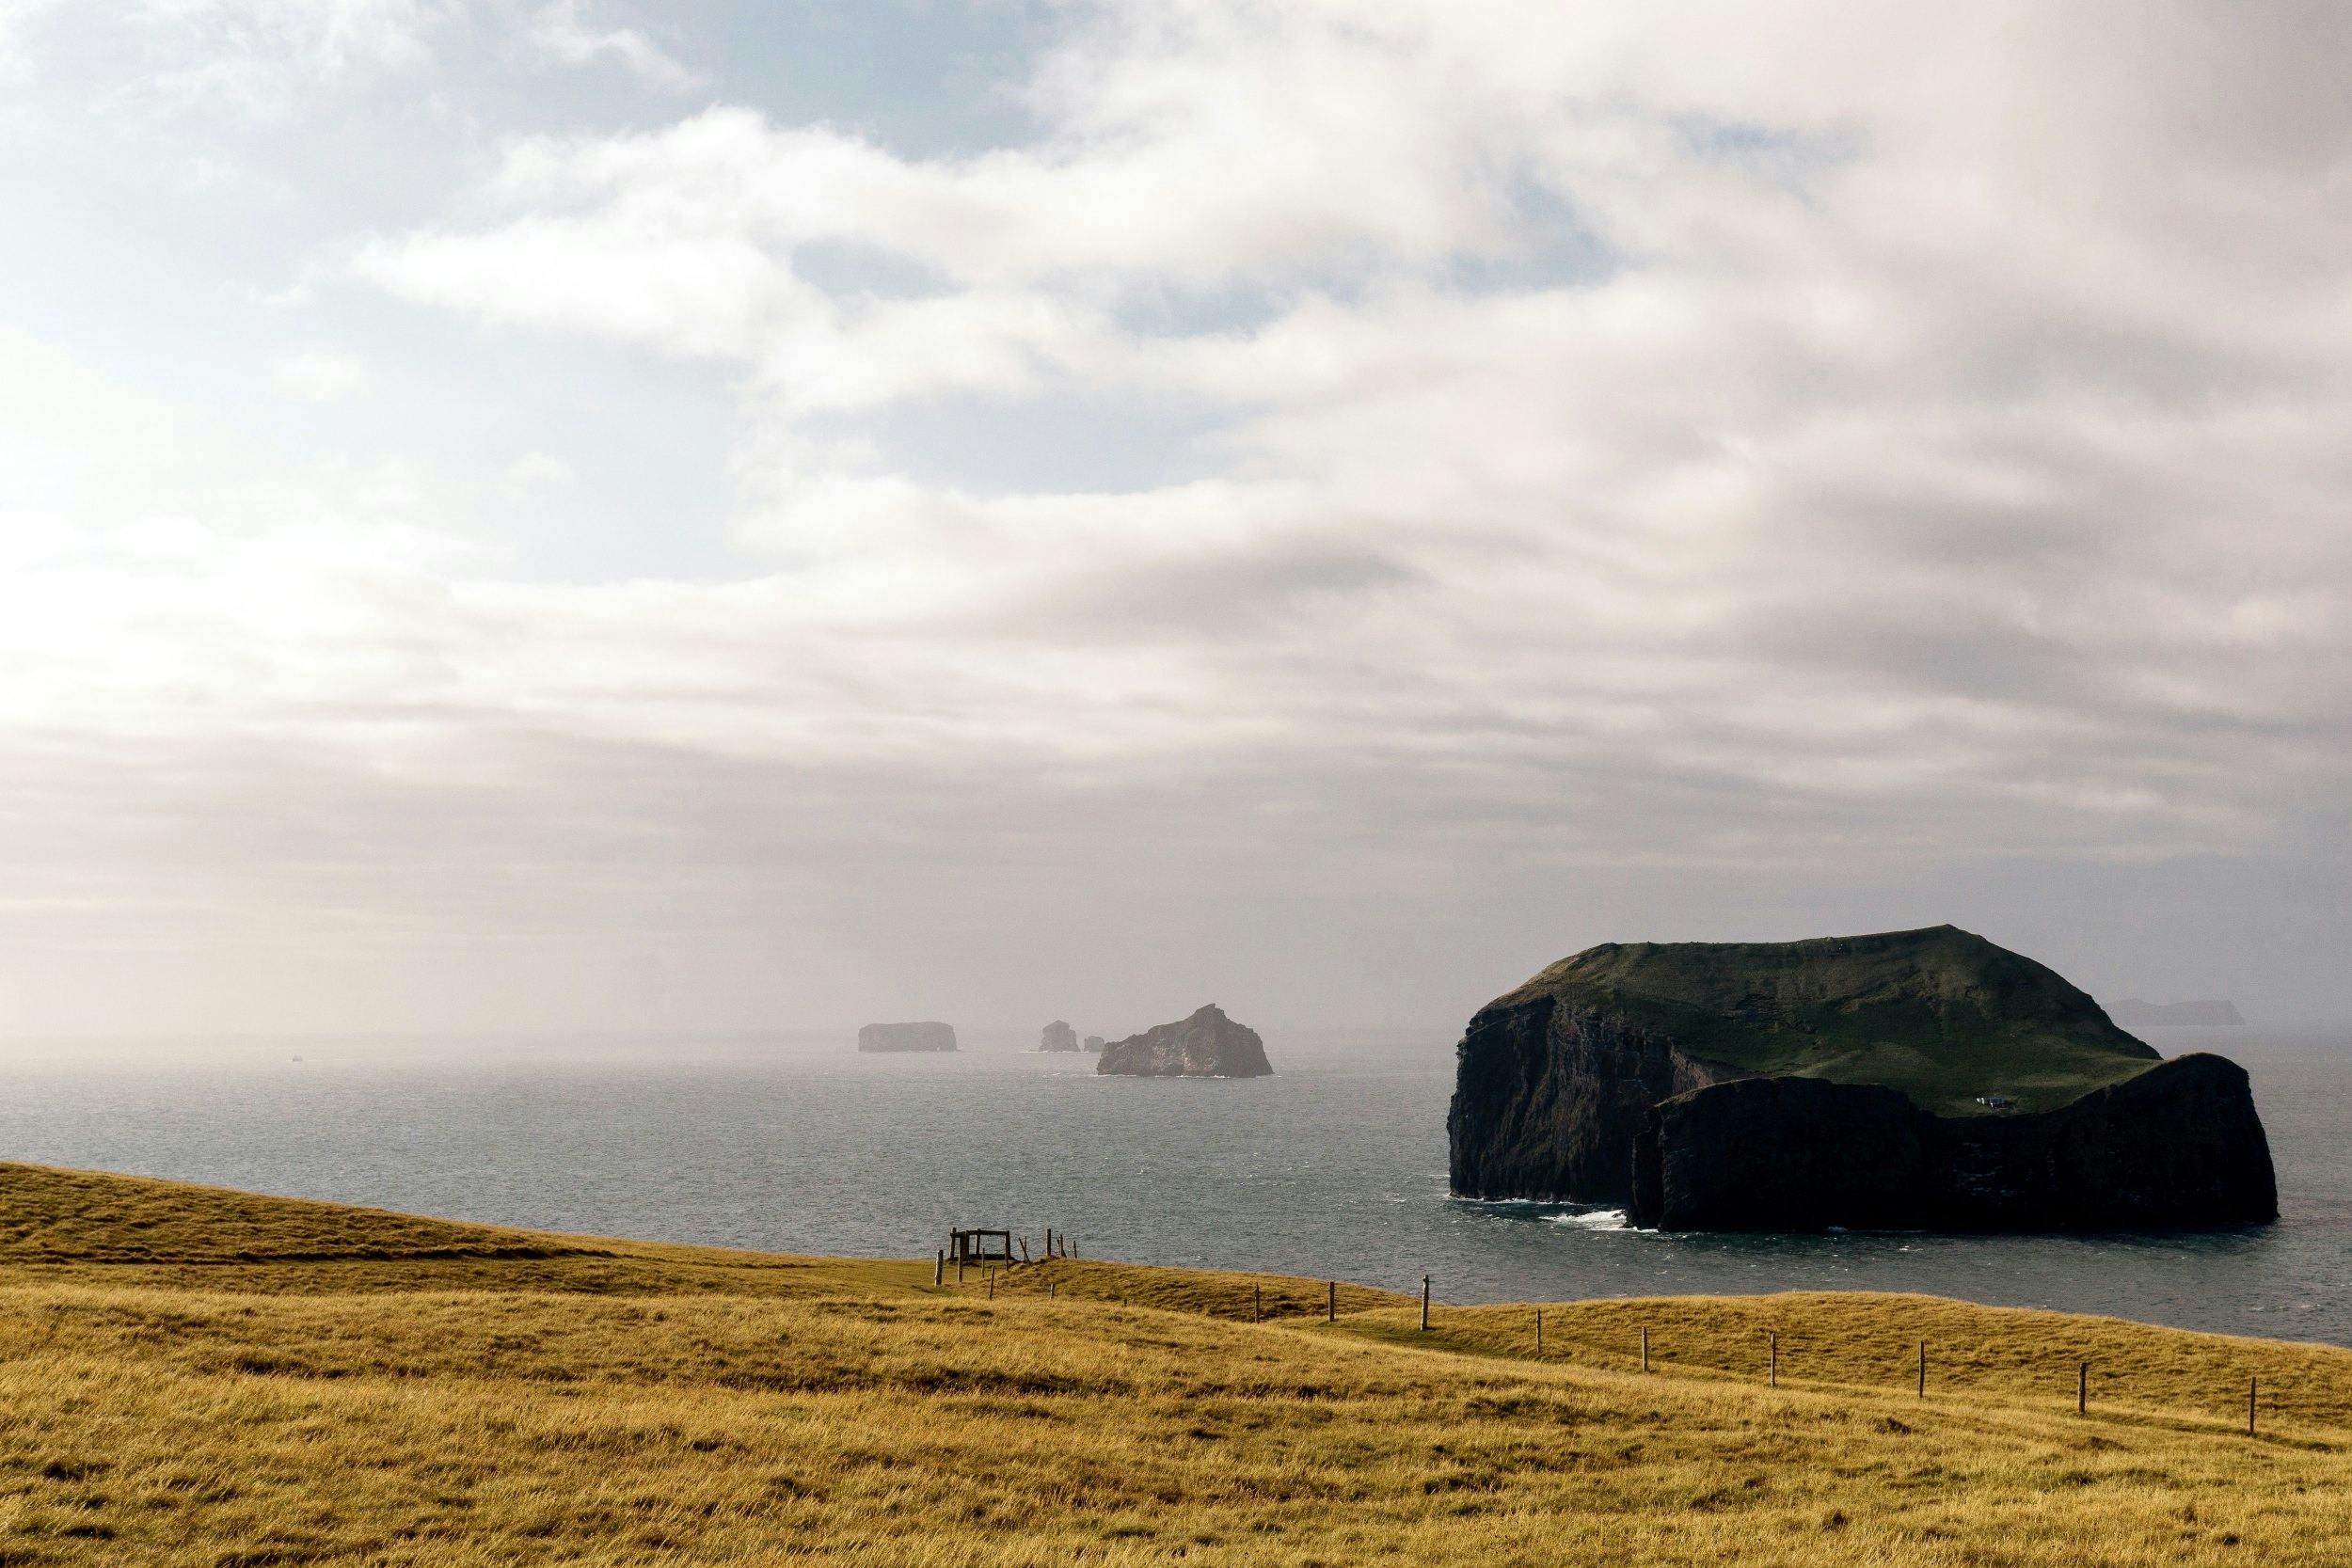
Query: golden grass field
x,y
192,1376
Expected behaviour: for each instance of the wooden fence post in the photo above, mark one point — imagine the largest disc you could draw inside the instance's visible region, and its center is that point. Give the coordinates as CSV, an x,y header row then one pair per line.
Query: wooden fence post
x,y
2252,1384
1024,1251
1923,1368
1539,1331
939,1267
1425,1304
1257,1303
1053,1287
991,1284
1646,1350
2082,1390
1330,1301
1772,1365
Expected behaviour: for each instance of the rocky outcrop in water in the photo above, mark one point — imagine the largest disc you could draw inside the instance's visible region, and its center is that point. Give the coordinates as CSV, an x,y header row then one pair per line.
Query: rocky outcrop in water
x,y
1057,1035
1094,1042
1911,1080
907,1036
1206,1045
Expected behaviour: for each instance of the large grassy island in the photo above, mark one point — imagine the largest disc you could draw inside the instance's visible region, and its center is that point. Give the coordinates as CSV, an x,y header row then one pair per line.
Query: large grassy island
x,y
192,1376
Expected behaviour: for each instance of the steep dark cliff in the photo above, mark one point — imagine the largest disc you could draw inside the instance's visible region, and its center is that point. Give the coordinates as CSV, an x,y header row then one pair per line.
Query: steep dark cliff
x,y
1911,1080
2177,1147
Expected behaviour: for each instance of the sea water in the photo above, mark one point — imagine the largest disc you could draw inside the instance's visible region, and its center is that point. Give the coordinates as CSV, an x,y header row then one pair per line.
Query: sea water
x,y
1333,1168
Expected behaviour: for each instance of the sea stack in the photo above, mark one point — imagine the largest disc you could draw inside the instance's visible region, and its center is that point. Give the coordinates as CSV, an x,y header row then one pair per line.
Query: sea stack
x,y
1057,1035
1913,1080
907,1036
1094,1042
1206,1045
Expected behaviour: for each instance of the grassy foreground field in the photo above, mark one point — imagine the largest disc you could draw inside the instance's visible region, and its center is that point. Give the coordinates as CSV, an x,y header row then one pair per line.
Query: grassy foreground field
x,y
189,1376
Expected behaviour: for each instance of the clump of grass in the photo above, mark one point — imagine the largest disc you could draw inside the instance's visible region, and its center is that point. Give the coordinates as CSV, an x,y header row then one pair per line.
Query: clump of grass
x,y
637,1404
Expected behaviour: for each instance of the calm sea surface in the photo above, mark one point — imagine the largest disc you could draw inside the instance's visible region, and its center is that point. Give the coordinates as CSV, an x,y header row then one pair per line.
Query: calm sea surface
x,y
1335,1167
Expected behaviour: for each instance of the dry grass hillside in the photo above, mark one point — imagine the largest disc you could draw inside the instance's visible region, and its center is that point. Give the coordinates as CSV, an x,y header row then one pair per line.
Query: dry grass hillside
x,y
203,1378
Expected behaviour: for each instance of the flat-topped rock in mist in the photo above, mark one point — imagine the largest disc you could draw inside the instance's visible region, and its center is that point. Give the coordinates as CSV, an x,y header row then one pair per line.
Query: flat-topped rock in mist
x,y
1906,1080
1206,1045
1057,1035
1094,1042
2132,1013
907,1036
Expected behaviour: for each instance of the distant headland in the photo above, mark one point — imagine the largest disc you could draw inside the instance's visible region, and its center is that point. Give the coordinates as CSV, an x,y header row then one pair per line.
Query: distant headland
x,y
1906,1080
907,1036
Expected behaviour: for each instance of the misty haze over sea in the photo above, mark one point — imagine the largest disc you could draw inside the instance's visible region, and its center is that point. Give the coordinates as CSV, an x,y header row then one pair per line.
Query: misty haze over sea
x,y
1335,1167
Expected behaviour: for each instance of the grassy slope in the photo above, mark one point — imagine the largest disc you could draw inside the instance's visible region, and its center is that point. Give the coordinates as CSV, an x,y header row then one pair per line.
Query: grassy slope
x,y
1941,1014
612,1402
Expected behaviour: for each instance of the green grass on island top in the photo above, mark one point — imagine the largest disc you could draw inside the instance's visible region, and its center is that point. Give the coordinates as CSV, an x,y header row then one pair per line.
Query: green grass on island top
x,y
192,1376
1941,1014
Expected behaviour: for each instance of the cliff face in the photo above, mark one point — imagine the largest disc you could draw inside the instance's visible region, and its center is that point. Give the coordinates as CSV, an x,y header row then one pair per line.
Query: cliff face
x,y
1549,1095
2178,1146
1206,1045
907,1036
1911,1080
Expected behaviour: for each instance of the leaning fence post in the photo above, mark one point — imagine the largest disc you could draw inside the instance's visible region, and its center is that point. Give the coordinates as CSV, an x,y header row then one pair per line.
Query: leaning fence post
x,y
1425,1304
2251,1384
1923,1368
2082,1389
1330,1301
1646,1350
1053,1287
1024,1251
1539,1331
991,1284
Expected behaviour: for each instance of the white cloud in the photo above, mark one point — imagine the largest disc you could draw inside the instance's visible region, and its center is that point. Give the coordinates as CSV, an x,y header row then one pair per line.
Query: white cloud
x,y
539,470
321,375
560,30
1572,439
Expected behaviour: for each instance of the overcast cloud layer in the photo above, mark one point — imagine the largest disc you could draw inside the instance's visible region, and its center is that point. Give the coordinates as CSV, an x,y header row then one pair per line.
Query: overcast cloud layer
x,y
591,515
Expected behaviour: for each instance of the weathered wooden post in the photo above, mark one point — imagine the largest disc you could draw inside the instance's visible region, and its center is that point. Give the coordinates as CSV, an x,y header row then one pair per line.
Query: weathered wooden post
x,y
1425,1304
1053,1287
2251,1384
1539,1331
1049,1241
1257,1303
1923,1368
1646,1350
991,1284
939,1267
1330,1301
2082,1390
1772,1362
1024,1251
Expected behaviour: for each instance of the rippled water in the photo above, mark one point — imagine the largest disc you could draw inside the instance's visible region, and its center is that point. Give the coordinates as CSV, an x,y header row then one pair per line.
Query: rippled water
x,y
1335,1167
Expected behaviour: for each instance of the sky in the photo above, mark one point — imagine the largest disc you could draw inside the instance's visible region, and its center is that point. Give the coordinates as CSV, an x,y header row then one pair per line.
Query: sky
x,y
590,516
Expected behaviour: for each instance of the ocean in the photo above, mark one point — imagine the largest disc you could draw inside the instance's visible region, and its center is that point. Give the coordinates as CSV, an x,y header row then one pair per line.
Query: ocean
x,y
1335,1167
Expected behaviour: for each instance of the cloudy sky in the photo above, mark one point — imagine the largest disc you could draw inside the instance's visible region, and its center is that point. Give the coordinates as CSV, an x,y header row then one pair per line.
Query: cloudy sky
x,y
743,514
